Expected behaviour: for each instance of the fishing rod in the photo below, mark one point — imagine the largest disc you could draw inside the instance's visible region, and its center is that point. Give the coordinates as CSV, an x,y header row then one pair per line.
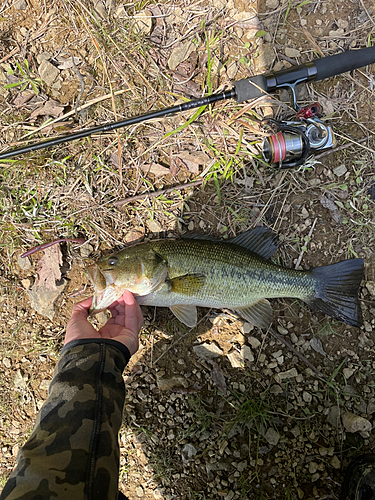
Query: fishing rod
x,y
290,143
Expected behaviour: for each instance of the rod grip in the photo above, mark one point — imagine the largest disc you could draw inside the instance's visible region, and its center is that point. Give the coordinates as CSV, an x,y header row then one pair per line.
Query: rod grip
x,y
250,88
341,63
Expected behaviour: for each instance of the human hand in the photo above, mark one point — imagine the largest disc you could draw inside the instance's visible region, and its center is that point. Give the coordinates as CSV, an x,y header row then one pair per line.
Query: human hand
x,y
123,326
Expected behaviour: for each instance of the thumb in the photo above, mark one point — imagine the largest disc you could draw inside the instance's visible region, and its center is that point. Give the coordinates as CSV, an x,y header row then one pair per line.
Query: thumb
x,y
81,309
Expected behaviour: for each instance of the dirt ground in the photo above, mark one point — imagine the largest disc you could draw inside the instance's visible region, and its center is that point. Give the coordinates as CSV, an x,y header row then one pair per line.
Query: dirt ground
x,y
285,420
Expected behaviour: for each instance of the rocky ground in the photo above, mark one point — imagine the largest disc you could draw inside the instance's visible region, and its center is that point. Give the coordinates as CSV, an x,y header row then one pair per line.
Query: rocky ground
x,y
224,410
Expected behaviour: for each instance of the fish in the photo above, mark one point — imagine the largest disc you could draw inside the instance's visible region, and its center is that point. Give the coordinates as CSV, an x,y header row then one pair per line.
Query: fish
x,y
236,274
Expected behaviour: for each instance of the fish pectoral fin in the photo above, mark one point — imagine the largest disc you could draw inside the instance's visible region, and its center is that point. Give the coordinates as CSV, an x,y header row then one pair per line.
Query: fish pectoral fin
x,y
260,240
189,284
259,314
186,314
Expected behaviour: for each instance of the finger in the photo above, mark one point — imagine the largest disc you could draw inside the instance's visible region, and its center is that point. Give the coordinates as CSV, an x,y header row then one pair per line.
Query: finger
x,y
133,314
81,309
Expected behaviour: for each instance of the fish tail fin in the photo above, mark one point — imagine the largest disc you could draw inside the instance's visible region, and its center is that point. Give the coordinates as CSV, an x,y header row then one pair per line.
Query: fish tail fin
x,y
337,291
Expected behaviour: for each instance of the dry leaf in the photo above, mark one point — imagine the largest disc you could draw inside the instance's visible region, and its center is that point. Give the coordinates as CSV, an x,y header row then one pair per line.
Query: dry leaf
x,y
192,160
331,205
49,268
156,169
50,108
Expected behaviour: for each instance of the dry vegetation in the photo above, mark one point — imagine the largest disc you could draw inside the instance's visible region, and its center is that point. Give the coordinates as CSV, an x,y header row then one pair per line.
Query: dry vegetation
x,y
259,434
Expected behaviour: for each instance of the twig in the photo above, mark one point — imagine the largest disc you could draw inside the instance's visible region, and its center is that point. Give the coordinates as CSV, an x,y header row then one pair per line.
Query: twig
x,y
303,251
119,203
340,148
298,354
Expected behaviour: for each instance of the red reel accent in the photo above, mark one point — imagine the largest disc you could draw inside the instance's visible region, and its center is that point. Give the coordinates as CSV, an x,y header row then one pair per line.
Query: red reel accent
x,y
309,111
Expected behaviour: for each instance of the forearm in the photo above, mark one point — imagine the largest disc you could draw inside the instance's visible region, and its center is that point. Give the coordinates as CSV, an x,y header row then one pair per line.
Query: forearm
x,y
73,449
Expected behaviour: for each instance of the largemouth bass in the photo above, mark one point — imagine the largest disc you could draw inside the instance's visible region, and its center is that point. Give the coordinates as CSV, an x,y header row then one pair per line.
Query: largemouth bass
x,y
185,273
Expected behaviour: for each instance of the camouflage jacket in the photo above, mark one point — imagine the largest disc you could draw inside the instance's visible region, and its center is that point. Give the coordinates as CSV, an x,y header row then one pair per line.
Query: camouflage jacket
x,y
73,451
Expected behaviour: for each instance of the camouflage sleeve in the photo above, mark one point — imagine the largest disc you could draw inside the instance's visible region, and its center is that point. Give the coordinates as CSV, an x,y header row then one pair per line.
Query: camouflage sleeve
x,y
73,451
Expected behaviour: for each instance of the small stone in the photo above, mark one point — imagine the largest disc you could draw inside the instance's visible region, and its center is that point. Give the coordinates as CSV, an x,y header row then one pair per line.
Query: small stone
x,y
354,423
293,53
154,226
271,436
166,384
313,467
292,373
207,350
26,283
254,342
48,72
191,226
282,330
323,451
7,362
370,408
25,263
20,380
272,4
335,462
307,397
246,354
340,170
20,5
188,452
139,492
241,466
247,328
235,359
42,299
44,385
276,389
86,250
348,372
333,416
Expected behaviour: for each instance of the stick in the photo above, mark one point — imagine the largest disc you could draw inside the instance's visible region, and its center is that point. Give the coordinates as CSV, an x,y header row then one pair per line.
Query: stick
x,y
298,354
155,194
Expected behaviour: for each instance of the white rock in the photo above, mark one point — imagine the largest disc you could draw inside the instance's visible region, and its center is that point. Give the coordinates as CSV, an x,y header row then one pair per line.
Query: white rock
x,y
290,52
48,72
254,342
348,372
247,328
272,4
354,423
235,359
188,452
207,351
313,467
292,373
24,263
271,436
307,397
335,462
246,354
340,170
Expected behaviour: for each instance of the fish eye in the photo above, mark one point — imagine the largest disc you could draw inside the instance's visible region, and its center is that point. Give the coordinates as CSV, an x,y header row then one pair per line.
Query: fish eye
x,y
112,261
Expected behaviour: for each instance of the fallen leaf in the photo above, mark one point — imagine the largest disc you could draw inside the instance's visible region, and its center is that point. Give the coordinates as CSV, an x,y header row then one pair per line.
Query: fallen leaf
x,y
180,53
331,205
156,169
317,345
67,62
50,108
49,268
192,160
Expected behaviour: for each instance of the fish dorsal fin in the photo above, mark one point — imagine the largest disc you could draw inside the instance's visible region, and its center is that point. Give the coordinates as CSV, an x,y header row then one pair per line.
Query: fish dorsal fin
x,y
186,314
189,284
259,314
262,241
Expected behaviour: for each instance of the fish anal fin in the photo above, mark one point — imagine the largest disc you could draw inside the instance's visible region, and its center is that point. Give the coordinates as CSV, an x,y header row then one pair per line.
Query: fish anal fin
x,y
262,241
189,284
259,314
186,314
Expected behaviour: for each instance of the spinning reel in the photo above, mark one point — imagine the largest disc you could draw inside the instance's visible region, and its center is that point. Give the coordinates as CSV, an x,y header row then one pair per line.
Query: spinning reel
x,y
291,143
